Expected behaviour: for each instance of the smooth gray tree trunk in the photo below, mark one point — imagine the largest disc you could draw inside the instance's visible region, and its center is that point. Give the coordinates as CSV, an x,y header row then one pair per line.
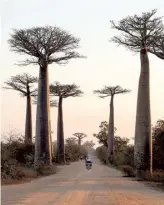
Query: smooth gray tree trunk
x,y
111,132
28,124
43,132
79,141
60,134
143,137
52,150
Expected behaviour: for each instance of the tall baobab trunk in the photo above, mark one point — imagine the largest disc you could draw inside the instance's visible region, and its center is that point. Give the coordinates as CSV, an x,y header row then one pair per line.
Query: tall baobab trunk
x,y
111,132
143,138
79,142
28,125
60,134
43,140
52,150
50,144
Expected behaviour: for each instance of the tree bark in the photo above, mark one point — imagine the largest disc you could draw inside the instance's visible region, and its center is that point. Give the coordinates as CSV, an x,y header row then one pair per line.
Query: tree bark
x,y
28,124
43,139
52,150
60,134
143,137
79,142
111,132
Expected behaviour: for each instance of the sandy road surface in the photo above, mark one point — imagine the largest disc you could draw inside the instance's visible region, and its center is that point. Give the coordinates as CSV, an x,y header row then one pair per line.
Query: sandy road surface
x,y
74,185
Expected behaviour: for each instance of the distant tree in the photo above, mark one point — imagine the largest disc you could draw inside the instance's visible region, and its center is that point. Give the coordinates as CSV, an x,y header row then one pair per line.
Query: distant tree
x,y
24,85
71,140
158,128
72,150
158,145
137,34
62,91
80,136
102,136
103,93
45,45
89,144
121,148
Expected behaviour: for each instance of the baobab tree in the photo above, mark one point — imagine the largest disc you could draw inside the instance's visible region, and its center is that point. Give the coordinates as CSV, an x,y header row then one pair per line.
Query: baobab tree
x,y
45,45
103,93
62,91
24,84
80,136
137,34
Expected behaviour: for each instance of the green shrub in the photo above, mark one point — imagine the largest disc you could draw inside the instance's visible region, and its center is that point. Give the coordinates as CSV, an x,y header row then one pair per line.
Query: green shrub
x,y
157,176
48,170
102,154
127,170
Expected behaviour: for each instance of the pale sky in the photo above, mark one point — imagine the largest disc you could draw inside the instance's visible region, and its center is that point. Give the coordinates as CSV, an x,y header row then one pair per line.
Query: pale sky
x,y
106,64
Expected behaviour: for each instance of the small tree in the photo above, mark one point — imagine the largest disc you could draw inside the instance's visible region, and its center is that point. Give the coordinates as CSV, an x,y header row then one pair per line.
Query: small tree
x,y
103,93
62,91
80,136
24,85
89,144
45,45
137,34
71,140
102,135
158,145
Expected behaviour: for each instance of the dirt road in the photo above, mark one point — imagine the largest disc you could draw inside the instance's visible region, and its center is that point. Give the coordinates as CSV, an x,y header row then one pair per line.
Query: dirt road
x,y
74,185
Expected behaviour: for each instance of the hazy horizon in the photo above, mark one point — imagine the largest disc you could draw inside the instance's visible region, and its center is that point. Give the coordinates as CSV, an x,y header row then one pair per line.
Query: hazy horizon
x,y
106,64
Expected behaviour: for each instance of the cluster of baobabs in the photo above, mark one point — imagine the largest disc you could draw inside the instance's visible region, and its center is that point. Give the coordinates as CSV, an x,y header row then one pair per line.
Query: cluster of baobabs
x,y
46,45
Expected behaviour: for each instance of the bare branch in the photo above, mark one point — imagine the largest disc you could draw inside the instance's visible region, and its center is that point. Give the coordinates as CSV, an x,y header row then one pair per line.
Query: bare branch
x,y
12,136
110,91
158,47
65,91
22,83
45,45
138,31
64,59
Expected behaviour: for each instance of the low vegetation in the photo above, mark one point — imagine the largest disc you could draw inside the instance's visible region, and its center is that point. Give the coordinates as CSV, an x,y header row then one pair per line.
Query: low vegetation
x,y
17,158
124,153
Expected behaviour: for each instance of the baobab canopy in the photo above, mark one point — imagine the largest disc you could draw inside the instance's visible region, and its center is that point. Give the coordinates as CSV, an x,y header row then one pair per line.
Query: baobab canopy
x,y
44,44
137,30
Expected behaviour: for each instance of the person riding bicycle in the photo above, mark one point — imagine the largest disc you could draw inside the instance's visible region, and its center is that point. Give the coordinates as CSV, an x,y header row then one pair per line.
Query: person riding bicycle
x,y
88,160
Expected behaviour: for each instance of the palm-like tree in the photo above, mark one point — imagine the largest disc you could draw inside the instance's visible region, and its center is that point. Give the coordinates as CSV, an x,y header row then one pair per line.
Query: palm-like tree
x,y
103,93
137,34
24,85
45,45
62,91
